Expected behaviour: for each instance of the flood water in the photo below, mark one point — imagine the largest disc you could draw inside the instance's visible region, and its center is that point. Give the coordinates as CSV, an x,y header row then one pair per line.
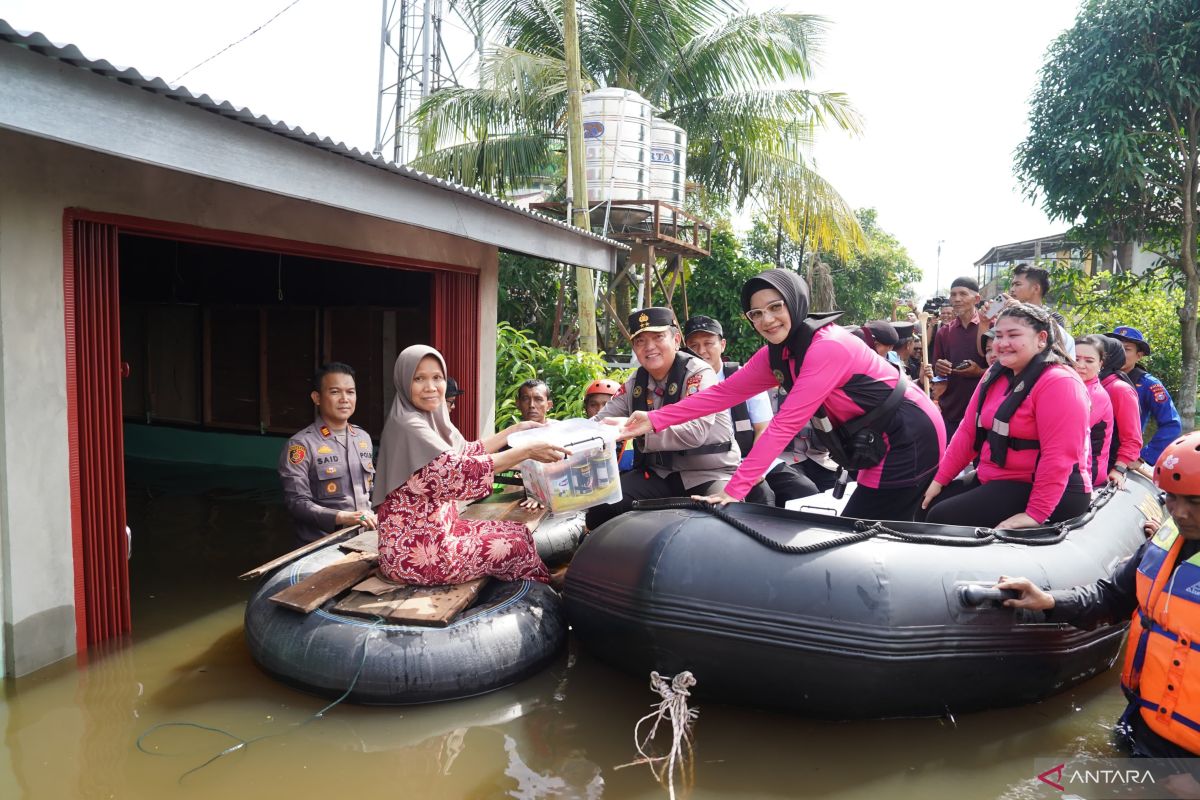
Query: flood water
x,y
71,730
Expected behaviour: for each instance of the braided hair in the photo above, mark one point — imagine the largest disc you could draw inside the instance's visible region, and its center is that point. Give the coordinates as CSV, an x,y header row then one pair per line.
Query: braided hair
x,y
1038,318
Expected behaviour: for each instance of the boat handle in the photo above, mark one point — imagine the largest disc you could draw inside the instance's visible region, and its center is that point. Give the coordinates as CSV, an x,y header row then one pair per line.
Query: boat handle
x,y
977,594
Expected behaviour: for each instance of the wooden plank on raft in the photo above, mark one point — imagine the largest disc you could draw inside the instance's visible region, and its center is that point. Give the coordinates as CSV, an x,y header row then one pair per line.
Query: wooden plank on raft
x,y
365,542
435,606
488,511
299,552
308,594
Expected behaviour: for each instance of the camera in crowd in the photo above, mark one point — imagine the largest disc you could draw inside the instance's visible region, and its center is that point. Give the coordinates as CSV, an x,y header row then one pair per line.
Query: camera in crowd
x,y
934,304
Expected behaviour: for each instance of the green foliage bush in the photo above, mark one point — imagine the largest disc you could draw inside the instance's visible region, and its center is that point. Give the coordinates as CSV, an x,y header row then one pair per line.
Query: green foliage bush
x,y
1099,303
519,357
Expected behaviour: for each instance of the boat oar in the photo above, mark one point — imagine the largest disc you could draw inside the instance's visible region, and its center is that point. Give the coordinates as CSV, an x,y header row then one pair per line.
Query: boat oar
x,y
978,594
299,552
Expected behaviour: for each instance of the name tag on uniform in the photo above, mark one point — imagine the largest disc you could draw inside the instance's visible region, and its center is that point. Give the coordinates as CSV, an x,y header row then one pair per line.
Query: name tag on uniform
x,y
743,425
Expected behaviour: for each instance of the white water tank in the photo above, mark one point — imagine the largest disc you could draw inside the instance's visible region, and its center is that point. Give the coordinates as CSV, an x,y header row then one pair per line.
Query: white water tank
x,y
668,162
616,145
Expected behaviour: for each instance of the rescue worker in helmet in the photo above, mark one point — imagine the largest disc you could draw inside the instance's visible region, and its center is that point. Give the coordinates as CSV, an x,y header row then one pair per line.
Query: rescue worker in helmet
x,y
1162,719
597,395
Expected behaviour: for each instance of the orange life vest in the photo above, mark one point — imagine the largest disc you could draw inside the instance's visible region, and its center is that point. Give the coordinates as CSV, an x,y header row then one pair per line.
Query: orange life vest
x,y
1164,638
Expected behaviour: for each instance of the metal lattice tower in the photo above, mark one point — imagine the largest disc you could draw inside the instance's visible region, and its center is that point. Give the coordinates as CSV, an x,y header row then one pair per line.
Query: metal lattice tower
x,y
424,46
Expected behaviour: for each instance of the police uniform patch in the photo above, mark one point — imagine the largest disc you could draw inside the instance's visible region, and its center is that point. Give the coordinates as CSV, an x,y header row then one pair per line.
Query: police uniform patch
x,y
331,470
1160,394
296,453
331,487
620,391
363,445
325,431
637,391
778,376
673,389
323,449
693,385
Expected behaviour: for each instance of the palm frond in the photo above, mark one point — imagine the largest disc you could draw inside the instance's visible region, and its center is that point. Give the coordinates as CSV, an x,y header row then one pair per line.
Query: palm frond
x,y
749,51
497,164
780,107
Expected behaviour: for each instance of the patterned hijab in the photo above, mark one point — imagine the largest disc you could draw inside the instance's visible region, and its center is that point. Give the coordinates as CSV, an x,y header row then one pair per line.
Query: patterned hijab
x,y
411,437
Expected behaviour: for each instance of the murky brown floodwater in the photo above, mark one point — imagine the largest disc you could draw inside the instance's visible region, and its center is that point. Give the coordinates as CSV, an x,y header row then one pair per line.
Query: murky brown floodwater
x,y
71,729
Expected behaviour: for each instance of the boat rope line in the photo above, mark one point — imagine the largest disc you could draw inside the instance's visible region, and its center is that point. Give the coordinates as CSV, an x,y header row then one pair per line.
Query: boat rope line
x,y
241,743
673,708
868,529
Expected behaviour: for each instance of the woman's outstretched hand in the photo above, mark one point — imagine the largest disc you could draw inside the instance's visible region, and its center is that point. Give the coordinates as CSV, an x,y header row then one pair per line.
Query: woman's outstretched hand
x,y
545,452
718,499
637,424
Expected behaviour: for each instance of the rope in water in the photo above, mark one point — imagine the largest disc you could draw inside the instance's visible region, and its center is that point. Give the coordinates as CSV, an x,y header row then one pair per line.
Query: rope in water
x,y
672,707
243,743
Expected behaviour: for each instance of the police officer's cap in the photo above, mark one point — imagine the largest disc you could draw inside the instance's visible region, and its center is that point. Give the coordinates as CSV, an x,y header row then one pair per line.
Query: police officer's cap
x,y
905,330
1132,335
702,324
452,389
883,332
654,319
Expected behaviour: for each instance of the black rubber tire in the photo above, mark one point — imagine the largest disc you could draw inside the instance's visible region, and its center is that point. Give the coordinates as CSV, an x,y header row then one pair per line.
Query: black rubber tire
x,y
512,631
558,537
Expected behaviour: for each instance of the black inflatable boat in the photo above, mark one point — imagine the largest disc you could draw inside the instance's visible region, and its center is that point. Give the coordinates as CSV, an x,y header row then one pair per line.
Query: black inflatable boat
x,y
512,631
841,618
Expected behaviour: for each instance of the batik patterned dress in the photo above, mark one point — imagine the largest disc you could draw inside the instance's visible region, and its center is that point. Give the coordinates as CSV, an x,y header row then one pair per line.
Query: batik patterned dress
x,y
423,541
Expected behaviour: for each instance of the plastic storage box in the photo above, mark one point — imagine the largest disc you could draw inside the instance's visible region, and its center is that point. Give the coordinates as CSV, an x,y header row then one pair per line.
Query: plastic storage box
x,y
588,477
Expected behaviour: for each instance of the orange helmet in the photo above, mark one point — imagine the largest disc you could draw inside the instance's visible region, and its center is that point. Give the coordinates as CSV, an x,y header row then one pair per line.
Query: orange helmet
x,y
1178,468
602,386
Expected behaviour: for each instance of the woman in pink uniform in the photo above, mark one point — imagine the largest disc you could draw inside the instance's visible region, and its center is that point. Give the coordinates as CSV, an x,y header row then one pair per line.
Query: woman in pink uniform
x,y
1125,450
1089,357
424,466
1028,423
828,368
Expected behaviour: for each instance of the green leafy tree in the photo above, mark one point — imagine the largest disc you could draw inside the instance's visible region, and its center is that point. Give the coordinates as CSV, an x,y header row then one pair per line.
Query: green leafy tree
x,y
714,289
722,73
519,357
535,295
1099,303
1114,140
866,283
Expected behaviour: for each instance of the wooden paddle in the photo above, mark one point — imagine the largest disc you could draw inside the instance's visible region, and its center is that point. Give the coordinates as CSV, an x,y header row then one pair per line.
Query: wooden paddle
x,y
299,552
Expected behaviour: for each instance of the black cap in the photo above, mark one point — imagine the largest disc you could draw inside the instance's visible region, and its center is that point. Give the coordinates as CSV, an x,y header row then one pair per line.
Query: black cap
x,y
883,332
452,389
702,324
654,318
904,330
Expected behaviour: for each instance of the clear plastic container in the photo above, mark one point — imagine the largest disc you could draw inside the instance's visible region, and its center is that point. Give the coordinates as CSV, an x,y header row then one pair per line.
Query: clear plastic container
x,y
586,478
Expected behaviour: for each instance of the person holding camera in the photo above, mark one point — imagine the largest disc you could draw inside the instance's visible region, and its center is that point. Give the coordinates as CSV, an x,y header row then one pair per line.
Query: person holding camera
x,y
1028,426
869,415
957,358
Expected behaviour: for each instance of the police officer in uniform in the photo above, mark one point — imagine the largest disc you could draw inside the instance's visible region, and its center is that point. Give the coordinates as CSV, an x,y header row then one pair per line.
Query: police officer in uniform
x,y
327,469
693,458
1153,399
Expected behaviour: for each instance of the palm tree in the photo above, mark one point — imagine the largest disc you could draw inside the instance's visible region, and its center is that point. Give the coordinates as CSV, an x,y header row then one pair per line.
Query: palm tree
x,y
727,76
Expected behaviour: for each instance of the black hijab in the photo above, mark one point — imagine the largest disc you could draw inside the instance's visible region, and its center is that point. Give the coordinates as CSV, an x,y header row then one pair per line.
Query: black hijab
x,y
795,297
1114,357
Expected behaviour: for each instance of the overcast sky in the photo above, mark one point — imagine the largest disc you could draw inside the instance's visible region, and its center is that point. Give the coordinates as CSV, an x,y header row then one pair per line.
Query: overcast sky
x,y
943,87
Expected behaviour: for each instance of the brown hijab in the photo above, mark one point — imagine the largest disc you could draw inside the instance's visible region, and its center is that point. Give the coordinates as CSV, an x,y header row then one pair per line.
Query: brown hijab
x,y
411,437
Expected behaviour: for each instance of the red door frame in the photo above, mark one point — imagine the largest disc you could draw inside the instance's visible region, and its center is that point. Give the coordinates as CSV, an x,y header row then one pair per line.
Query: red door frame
x,y
454,302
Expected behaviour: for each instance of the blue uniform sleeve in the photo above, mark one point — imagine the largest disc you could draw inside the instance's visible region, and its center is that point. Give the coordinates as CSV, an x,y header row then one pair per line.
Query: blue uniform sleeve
x,y
759,408
1156,403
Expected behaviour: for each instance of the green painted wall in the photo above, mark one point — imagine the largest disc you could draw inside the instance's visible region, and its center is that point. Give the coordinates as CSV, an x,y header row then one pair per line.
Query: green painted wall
x,y
163,443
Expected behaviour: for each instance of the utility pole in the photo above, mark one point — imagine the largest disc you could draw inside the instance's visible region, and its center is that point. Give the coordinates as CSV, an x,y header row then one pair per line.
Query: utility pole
x,y
580,216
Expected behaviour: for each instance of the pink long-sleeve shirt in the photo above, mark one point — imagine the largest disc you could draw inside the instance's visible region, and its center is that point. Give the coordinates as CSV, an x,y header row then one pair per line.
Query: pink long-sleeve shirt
x,y
836,366
1102,412
1056,414
1127,417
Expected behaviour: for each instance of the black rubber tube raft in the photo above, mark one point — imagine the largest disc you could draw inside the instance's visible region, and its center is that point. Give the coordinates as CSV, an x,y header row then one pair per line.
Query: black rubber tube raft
x,y
857,620
558,537
511,632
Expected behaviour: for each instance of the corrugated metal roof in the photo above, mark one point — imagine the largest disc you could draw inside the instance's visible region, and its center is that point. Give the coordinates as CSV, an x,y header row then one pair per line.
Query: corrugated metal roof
x,y
70,54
